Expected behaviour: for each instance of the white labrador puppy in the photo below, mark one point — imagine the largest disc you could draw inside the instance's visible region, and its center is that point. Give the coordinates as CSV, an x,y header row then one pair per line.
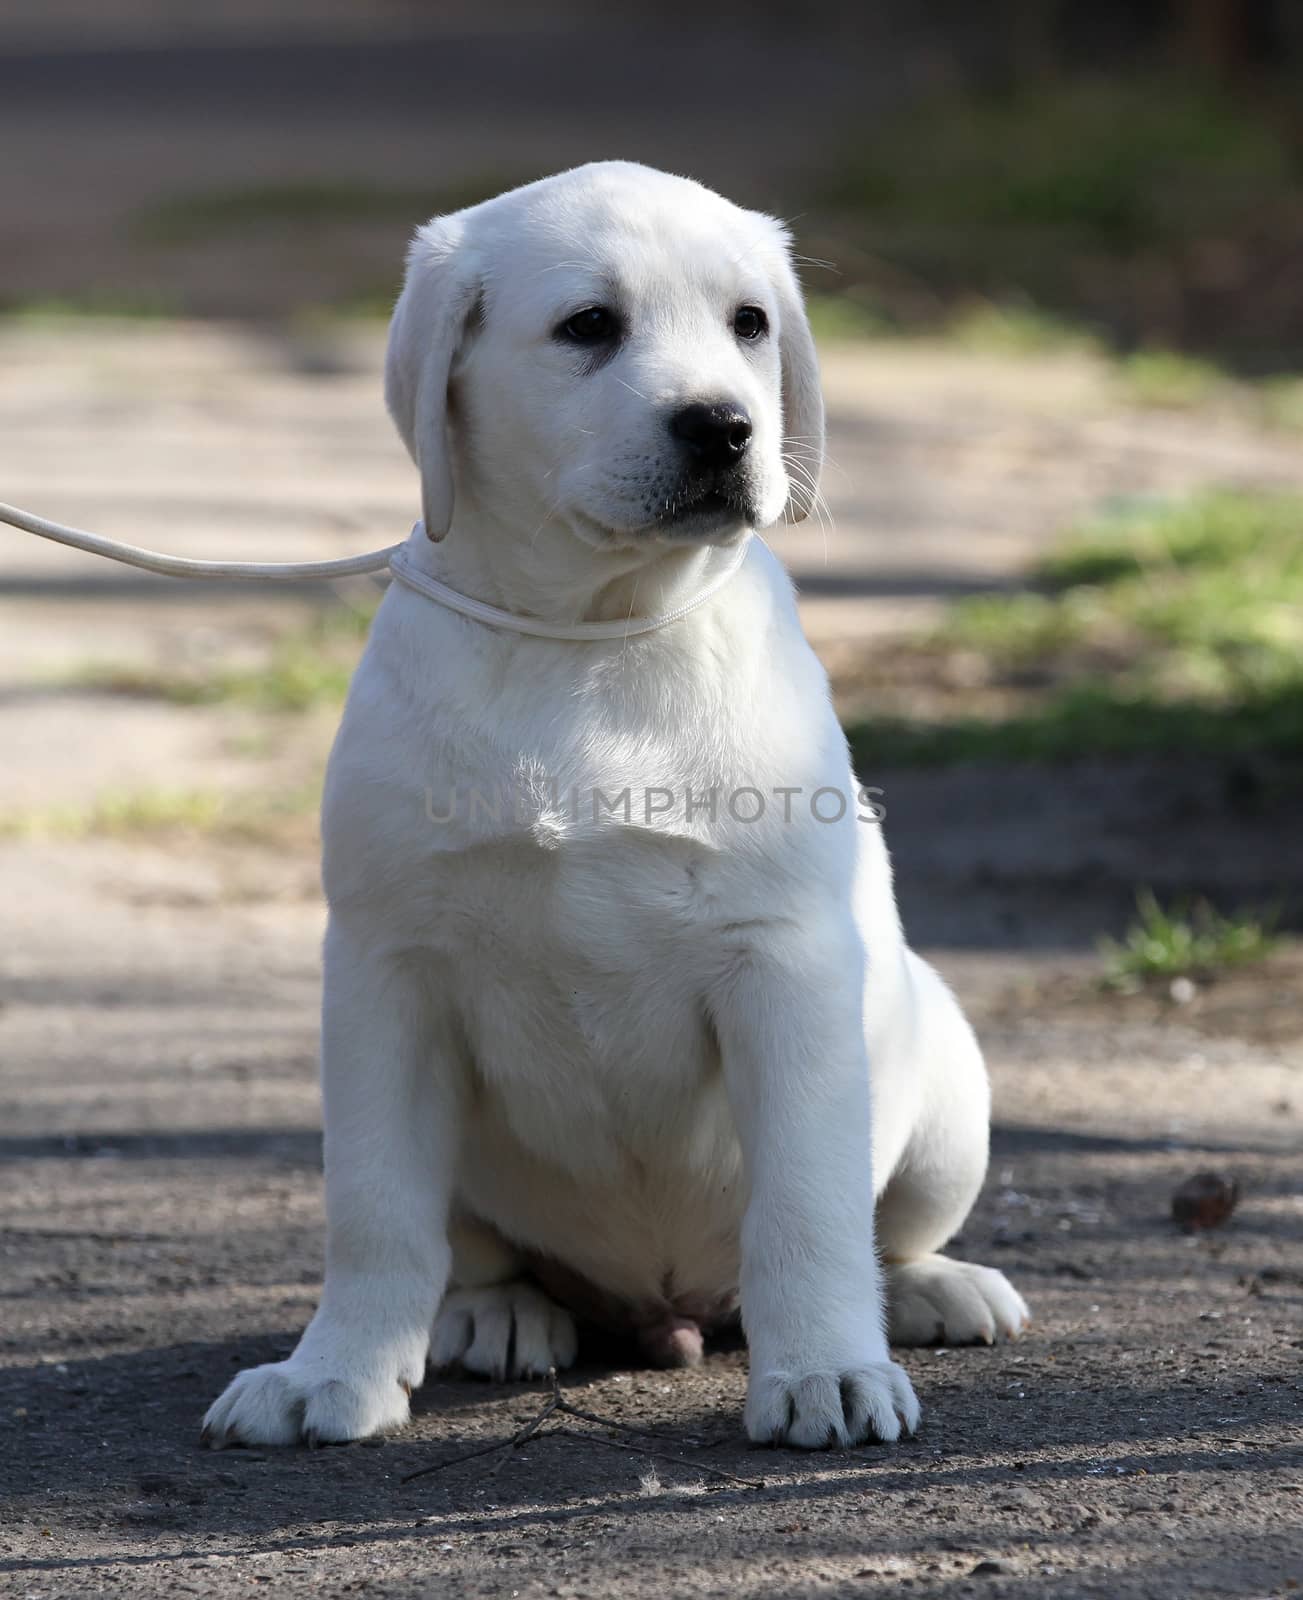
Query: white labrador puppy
x,y
618,1015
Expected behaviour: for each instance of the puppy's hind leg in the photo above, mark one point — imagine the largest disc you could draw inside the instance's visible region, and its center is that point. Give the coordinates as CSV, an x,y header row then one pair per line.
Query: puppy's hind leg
x,y
931,1298
494,1322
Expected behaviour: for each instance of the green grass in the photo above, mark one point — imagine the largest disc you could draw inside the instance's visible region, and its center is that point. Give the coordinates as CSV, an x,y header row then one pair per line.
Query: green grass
x,y
307,667
1281,403
837,317
249,208
1168,380
1203,600
1152,378
1121,163
103,307
1102,199
1081,721
1160,629
374,303
988,327
158,813
1181,942
1017,329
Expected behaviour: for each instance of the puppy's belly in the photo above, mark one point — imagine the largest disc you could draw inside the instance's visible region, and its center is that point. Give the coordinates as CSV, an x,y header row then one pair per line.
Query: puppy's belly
x,y
631,1220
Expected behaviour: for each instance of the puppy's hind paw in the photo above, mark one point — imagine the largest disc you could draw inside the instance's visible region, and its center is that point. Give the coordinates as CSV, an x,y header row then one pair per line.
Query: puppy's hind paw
x,y
506,1331
935,1300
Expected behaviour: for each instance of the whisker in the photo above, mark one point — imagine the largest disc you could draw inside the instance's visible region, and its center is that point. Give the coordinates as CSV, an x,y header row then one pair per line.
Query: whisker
x,y
802,469
818,455
815,261
805,479
555,506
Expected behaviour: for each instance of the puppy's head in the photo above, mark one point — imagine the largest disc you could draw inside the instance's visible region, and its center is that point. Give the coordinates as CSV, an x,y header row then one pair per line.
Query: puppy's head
x,y
614,349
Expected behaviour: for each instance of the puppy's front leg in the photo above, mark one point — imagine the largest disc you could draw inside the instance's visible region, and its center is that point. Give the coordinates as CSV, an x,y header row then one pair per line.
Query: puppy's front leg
x,y
390,1105
789,1019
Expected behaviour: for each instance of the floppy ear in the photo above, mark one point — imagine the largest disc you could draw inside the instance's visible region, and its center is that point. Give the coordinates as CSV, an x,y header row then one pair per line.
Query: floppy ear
x,y
803,422
424,334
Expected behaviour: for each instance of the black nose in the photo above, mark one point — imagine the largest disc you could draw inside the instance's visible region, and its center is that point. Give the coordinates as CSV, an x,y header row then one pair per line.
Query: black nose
x,y
716,435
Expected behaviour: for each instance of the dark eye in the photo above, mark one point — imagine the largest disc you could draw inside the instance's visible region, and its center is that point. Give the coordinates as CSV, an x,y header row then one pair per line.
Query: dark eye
x,y
592,325
750,322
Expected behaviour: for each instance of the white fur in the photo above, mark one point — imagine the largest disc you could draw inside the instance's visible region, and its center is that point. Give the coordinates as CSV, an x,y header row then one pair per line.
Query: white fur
x,y
680,1053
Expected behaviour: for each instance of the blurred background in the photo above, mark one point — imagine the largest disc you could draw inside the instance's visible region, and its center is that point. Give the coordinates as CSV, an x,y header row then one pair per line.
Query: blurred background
x,y
1132,167
1054,258
1054,254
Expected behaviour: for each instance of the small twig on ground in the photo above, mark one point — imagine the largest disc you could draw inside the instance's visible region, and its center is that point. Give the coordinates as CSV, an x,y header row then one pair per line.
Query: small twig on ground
x,y
557,1405
626,1427
580,1415
453,1461
521,1436
658,1455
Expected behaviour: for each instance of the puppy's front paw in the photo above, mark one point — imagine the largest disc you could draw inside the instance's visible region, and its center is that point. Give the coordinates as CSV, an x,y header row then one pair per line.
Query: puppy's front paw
x,y
286,1403
817,1410
936,1300
508,1330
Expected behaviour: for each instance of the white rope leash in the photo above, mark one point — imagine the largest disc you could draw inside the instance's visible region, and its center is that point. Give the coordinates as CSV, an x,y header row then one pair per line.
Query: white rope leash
x,y
182,566
348,566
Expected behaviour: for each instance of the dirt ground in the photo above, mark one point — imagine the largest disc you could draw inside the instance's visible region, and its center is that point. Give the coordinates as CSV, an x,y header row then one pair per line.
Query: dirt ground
x,y
160,1214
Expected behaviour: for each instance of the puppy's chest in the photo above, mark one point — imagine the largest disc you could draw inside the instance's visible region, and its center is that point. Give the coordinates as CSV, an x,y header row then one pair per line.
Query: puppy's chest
x,y
580,976
584,907
606,857
580,919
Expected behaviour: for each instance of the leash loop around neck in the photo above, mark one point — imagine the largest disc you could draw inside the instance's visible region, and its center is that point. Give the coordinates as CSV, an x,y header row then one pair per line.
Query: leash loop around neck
x,y
422,583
